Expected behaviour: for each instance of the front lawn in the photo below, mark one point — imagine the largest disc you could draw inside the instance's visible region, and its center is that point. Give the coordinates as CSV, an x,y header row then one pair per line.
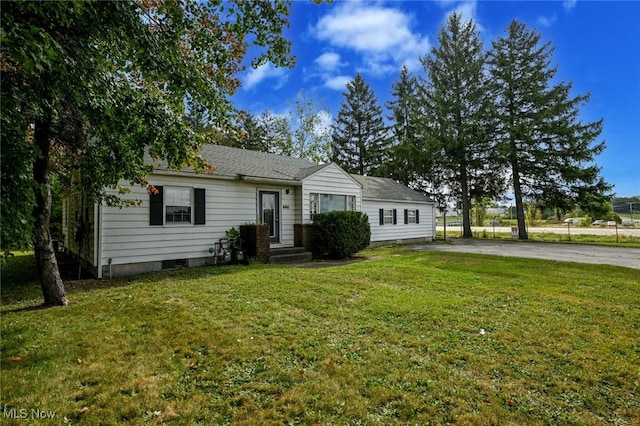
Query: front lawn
x,y
401,338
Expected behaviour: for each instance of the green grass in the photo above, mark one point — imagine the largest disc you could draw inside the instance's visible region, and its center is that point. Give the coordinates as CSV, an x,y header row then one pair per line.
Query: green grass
x,y
601,240
395,339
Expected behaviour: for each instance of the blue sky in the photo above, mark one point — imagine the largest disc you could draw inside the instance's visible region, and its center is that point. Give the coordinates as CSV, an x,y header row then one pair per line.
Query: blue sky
x,y
597,46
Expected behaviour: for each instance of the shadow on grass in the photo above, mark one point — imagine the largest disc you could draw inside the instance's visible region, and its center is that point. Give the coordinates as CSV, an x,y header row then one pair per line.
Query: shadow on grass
x,y
20,282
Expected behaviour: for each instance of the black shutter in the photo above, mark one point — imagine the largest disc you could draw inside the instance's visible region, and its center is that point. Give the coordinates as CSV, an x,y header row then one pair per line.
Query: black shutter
x,y
406,216
199,198
417,216
395,217
381,216
156,207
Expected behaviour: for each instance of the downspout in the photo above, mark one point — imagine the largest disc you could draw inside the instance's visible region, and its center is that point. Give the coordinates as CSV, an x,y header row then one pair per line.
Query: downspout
x,y
98,239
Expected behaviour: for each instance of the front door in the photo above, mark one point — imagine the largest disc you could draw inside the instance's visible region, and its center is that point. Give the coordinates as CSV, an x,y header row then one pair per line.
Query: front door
x,y
270,213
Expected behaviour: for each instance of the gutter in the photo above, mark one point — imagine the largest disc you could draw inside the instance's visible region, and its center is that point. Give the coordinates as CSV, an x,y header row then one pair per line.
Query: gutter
x,y
397,200
238,177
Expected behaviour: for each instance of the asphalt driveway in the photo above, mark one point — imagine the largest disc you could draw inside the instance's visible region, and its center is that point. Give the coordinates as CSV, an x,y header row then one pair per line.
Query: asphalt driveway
x,y
600,255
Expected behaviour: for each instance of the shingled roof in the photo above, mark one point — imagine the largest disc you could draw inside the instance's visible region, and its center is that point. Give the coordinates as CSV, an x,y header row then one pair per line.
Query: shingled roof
x,y
379,188
246,164
237,162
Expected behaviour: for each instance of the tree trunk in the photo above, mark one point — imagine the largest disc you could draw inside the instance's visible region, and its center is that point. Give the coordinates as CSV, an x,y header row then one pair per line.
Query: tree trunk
x,y
46,262
517,193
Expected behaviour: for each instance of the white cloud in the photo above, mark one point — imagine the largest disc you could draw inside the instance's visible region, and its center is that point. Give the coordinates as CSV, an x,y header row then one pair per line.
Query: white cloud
x,y
263,72
545,22
569,4
323,127
381,35
337,83
328,61
467,9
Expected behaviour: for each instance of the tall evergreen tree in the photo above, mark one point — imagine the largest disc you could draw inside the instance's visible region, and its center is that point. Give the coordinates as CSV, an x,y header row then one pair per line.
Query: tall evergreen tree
x,y
249,133
455,126
404,161
360,138
548,151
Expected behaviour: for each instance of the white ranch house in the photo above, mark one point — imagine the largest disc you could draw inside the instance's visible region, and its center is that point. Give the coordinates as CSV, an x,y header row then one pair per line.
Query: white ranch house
x,y
193,211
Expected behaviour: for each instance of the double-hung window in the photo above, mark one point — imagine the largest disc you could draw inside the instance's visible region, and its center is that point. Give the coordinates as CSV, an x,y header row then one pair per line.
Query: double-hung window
x,y
177,205
388,217
411,216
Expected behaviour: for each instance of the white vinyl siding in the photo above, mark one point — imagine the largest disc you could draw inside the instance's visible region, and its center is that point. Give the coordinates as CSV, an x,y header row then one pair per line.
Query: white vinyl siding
x,y
330,180
400,231
127,236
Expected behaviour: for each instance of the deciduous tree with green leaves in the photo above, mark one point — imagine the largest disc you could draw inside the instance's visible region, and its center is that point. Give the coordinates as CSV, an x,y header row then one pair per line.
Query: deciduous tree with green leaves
x,y
302,131
548,151
89,87
309,123
360,139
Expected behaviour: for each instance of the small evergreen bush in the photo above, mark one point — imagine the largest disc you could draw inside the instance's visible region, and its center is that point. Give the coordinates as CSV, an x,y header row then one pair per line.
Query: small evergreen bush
x,y
340,234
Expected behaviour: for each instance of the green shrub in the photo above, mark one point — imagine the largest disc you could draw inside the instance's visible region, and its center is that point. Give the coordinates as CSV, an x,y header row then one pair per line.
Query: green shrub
x,y
340,234
613,216
586,221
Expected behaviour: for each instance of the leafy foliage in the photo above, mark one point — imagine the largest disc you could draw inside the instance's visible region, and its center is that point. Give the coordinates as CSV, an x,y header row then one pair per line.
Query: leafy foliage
x,y
301,132
90,88
309,128
252,134
340,234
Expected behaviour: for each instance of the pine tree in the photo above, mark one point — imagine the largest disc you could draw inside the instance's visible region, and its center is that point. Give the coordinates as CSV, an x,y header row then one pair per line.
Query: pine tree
x,y
360,138
455,128
404,163
547,149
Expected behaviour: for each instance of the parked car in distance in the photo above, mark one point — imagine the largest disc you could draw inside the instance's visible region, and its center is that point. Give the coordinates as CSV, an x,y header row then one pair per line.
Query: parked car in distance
x,y
597,222
494,223
573,220
611,223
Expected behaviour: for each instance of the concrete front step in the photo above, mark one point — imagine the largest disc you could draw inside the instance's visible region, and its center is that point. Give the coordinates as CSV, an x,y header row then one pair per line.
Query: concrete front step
x,y
290,255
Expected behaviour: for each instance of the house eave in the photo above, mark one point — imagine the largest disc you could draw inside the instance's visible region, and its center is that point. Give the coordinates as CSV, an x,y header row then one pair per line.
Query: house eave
x,y
327,165
258,179
237,178
397,200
